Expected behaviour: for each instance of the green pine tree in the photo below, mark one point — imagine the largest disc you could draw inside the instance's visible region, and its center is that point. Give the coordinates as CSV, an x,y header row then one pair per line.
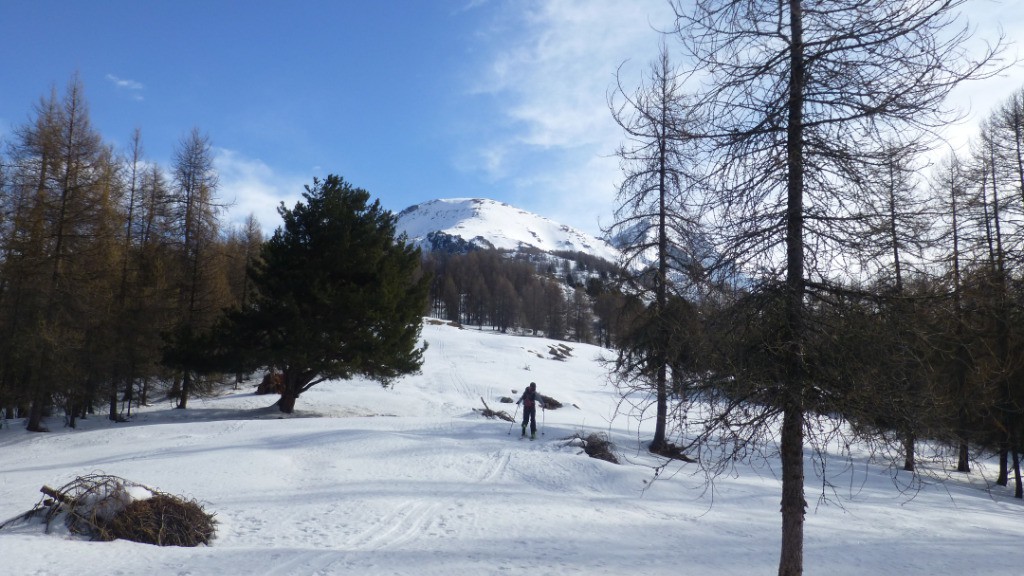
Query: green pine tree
x,y
337,294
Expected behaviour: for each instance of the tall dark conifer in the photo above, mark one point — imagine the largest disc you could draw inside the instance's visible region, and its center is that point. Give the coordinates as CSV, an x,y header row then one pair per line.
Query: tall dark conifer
x,y
337,294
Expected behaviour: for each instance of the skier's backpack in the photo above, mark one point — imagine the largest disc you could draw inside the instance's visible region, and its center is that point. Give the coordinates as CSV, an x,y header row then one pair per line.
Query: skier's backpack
x,y
529,399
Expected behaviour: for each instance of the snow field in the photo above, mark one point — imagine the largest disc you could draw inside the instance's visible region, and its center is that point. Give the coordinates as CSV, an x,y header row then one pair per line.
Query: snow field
x,y
410,480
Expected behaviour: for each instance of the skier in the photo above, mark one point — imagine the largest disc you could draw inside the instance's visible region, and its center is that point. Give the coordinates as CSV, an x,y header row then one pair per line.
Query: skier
x,y
529,400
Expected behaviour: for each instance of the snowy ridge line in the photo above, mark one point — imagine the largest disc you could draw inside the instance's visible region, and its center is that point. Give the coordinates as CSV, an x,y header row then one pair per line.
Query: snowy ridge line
x,y
483,223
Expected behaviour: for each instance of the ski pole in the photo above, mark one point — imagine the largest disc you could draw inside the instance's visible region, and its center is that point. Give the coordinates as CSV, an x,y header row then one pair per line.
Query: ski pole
x,y
543,420
513,420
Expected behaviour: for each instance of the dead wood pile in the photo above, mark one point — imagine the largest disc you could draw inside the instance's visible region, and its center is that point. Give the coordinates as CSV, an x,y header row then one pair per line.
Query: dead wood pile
x,y
105,508
549,402
272,383
596,445
487,412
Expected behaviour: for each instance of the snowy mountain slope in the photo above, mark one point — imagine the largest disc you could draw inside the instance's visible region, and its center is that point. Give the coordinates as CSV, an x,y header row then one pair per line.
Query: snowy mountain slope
x,y
485,223
413,481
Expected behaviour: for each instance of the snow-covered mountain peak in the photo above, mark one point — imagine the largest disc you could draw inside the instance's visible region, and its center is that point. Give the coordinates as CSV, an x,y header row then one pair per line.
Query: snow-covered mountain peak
x,y
483,223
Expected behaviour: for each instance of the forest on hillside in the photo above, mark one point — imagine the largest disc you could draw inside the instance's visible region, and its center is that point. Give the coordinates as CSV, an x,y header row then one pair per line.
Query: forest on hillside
x,y
562,295
119,279
106,258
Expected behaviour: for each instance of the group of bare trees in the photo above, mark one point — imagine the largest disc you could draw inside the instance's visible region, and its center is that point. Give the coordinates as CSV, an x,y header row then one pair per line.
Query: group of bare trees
x,y
839,286
983,191
110,265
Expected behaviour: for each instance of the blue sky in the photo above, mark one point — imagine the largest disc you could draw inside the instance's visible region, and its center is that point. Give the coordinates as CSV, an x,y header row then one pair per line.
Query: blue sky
x,y
409,99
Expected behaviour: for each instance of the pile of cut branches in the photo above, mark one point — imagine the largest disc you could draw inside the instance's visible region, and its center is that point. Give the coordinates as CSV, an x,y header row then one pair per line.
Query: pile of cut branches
x,y
596,445
560,351
106,508
549,402
487,412
673,452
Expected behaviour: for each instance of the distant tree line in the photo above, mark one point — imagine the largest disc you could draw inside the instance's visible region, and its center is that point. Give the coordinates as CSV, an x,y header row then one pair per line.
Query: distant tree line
x,y
562,295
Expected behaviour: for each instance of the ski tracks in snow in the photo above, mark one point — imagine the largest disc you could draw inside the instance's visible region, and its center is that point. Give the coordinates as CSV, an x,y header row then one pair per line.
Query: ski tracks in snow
x,y
468,390
434,516
419,519
405,523
455,376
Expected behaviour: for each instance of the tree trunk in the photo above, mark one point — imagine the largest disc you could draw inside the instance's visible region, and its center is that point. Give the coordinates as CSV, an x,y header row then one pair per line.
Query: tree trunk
x,y
1004,469
112,412
908,452
964,461
286,404
658,444
1018,491
289,392
129,397
71,413
35,416
963,357
186,389
791,560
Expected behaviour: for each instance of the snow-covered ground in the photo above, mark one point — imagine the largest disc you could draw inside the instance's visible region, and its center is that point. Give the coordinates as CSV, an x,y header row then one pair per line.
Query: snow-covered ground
x,y
412,480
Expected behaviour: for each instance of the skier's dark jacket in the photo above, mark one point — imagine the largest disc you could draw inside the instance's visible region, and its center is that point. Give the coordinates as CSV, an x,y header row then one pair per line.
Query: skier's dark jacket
x,y
529,397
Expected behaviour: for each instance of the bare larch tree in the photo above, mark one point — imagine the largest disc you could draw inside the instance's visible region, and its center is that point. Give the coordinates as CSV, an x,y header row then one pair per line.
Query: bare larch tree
x,y
795,99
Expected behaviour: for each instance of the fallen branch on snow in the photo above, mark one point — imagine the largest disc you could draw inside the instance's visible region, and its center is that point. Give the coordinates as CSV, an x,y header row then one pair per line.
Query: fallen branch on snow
x,y
487,412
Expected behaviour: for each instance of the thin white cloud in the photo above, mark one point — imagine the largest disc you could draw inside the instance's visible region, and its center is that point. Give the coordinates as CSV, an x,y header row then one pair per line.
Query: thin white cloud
x,y
133,87
470,5
563,63
976,100
552,64
491,158
251,187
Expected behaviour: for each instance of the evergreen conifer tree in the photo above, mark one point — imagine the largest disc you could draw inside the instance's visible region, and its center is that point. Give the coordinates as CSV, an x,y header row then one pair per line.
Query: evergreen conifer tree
x,y
337,294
